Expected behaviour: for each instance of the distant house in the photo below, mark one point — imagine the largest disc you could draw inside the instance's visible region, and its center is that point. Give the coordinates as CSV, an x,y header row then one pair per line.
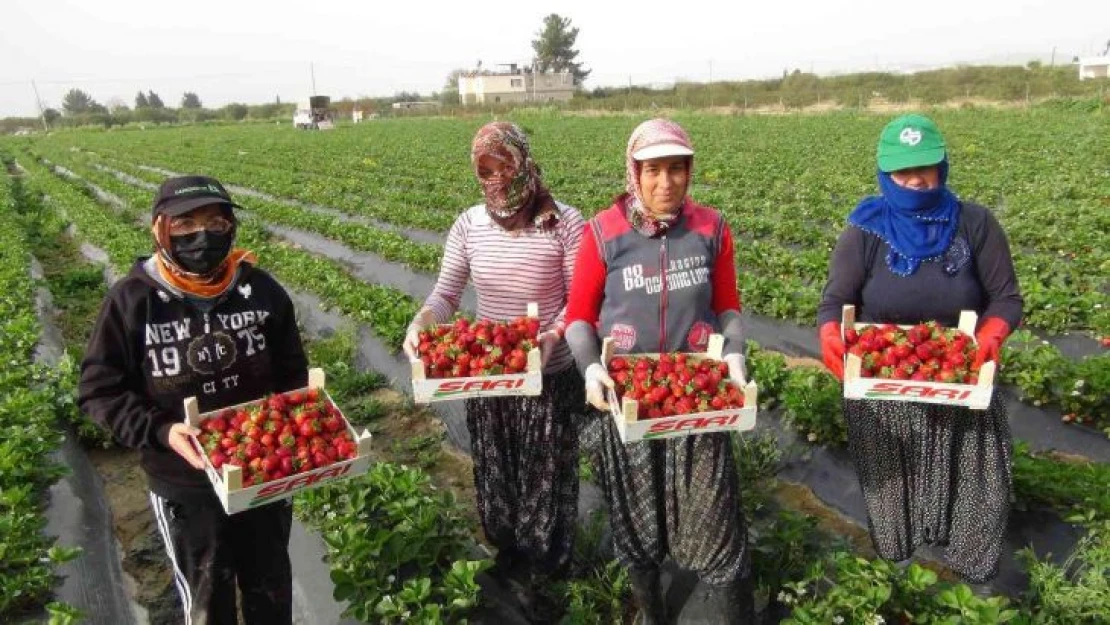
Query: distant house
x,y
1094,67
515,85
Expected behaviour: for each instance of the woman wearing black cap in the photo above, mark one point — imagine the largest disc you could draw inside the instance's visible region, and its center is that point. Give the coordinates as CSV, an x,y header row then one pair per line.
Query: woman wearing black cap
x,y
929,473
197,318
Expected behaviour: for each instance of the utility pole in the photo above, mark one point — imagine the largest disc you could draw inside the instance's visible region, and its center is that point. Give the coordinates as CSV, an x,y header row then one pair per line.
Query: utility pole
x,y
535,77
312,72
38,102
1052,63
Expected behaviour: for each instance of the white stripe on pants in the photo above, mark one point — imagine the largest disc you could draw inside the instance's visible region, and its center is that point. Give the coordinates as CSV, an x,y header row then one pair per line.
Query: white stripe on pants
x,y
158,505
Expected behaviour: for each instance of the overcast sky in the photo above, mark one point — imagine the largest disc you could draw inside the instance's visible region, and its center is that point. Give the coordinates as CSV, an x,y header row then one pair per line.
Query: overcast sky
x,y
230,50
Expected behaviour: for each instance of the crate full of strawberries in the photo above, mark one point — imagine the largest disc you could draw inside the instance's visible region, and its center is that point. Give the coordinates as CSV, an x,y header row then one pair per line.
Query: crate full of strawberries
x,y
271,448
669,395
480,358
925,362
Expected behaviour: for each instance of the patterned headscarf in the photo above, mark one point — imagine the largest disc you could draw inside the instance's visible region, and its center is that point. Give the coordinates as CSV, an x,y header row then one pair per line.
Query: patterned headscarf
x,y
651,133
176,276
523,188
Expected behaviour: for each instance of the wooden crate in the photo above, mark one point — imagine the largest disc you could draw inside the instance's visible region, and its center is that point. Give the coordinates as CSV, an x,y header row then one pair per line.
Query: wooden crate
x,y
975,396
632,428
530,383
228,482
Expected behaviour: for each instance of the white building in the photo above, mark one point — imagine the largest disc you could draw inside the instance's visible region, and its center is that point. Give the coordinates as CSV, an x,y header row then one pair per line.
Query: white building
x,y
515,86
1094,67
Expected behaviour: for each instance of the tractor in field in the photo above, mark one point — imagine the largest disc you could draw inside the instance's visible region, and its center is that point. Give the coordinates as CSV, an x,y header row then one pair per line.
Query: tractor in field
x,y
313,114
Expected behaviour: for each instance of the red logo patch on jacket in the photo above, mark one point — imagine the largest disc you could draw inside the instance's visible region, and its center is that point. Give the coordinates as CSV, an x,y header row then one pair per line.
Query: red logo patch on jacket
x,y
624,336
698,337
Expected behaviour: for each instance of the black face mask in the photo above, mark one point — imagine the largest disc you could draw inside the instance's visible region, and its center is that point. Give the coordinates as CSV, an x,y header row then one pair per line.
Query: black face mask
x,y
200,252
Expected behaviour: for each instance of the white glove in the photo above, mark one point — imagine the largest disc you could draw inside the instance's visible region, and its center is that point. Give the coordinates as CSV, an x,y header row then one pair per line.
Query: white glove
x,y
547,342
422,320
736,371
597,380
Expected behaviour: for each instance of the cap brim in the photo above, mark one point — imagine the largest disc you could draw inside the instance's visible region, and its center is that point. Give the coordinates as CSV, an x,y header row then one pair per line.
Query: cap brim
x,y
922,158
173,209
662,150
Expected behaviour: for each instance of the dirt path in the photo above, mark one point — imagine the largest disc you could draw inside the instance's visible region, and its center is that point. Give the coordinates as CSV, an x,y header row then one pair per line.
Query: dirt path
x,y
144,558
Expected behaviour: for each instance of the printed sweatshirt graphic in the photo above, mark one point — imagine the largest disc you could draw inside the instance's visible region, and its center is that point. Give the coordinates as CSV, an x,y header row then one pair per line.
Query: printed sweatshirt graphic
x,y
151,348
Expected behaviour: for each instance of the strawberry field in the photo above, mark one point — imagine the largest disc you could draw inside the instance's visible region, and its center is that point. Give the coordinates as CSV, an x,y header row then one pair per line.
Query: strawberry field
x,y
355,219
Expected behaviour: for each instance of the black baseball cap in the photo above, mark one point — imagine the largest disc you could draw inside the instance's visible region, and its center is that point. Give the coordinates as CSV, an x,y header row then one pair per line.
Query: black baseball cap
x,y
181,194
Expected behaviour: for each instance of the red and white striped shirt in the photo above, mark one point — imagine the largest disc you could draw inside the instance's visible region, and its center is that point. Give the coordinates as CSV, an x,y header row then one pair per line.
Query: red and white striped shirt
x,y
509,270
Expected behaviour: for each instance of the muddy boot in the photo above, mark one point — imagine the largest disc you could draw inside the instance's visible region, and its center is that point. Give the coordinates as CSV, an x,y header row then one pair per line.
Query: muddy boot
x,y
733,602
544,607
647,596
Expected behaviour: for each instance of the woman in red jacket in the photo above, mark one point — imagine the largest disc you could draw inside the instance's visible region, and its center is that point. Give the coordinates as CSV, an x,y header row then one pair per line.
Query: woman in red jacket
x,y
655,272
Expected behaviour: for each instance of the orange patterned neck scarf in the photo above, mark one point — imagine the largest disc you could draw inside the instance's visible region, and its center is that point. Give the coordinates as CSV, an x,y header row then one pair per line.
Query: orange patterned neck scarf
x,y
210,285
204,286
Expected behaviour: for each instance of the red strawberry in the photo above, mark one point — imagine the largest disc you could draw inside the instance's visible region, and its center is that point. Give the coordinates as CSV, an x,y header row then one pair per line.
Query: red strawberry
x,y
276,402
217,425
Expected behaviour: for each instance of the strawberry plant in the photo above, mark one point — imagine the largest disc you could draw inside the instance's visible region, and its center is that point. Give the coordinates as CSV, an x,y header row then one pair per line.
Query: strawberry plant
x,y
813,406
1066,484
31,402
769,368
397,547
844,588
1076,591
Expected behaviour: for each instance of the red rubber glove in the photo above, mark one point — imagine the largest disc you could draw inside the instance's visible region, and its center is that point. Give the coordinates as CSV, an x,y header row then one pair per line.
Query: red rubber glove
x,y
832,348
990,337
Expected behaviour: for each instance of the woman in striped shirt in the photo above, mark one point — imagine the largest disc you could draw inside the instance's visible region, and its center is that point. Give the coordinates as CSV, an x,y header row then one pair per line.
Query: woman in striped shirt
x,y
518,247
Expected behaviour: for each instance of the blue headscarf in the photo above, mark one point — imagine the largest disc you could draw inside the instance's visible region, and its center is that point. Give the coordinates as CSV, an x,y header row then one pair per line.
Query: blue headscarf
x,y
918,225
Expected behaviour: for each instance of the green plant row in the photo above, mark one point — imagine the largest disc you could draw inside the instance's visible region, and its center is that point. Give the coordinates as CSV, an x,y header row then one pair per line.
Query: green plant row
x,y
385,243
31,401
843,588
1043,376
1073,487
397,547
761,171
386,310
77,289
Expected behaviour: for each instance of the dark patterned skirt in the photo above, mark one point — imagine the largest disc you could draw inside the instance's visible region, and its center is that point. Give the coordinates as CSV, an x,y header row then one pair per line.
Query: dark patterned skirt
x,y
676,496
934,475
526,469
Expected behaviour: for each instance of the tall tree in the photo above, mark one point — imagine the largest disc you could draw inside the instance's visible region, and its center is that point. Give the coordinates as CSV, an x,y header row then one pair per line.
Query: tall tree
x,y
117,105
76,102
141,101
190,101
154,101
450,93
554,48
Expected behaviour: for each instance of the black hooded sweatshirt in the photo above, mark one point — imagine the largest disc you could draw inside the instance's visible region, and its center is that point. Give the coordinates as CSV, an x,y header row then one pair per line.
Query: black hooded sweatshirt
x,y
152,347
